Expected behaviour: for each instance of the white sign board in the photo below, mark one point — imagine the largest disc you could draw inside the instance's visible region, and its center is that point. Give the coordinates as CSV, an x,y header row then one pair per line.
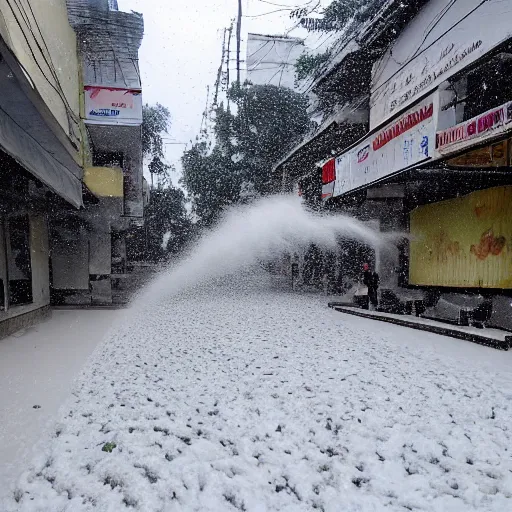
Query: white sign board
x,y
441,40
407,141
271,59
474,131
104,105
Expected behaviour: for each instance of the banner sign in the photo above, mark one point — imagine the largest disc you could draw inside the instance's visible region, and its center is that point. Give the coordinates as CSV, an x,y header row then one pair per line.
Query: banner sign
x,y
419,62
327,191
475,130
407,141
104,105
493,155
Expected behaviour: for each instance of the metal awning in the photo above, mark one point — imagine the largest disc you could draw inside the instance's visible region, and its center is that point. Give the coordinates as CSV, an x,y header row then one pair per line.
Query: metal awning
x,y
339,131
28,132
33,157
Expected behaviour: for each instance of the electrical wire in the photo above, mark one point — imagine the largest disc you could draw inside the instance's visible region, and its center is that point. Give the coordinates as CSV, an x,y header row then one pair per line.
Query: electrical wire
x,y
49,63
259,62
266,13
258,50
52,85
429,30
430,45
285,5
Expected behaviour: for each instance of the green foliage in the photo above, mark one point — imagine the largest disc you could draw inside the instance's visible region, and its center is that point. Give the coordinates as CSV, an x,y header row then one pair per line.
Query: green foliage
x,y
108,447
268,120
156,120
308,64
166,213
212,180
337,15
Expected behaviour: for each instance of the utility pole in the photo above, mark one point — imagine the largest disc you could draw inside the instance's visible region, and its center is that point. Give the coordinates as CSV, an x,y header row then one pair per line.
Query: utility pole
x,y
238,39
219,72
204,120
230,32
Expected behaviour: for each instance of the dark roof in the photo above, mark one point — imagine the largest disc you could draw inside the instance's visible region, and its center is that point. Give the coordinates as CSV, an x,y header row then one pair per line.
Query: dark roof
x,y
372,36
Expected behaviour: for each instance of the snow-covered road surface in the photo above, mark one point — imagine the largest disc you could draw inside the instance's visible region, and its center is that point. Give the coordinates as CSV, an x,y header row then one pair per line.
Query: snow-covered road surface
x,y
258,399
37,367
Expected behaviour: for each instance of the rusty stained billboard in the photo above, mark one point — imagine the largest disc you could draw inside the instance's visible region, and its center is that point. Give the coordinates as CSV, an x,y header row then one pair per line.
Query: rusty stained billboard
x,y
464,242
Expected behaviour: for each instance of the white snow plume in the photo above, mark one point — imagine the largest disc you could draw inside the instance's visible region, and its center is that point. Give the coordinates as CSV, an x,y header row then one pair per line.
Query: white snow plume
x,y
258,232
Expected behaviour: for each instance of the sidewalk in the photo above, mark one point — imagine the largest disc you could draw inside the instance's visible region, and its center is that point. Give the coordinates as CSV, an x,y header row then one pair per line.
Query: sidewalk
x,y
494,338
37,368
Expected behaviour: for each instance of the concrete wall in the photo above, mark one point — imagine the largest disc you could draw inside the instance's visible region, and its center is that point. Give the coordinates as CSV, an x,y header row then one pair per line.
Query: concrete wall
x,y
39,250
54,35
70,259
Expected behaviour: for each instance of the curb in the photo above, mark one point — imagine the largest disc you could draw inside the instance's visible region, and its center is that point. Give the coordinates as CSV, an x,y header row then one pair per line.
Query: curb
x,y
96,307
436,329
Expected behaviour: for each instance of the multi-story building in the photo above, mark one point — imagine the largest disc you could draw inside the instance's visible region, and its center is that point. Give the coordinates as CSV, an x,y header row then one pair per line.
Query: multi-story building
x,y
428,83
70,151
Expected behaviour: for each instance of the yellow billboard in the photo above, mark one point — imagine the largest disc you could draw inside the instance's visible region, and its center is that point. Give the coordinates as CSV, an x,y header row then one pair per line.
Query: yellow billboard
x,y
463,242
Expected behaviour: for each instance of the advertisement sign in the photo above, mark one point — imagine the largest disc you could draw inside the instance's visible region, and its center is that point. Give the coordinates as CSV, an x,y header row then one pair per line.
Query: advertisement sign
x,y
405,142
494,155
477,129
105,105
460,33
463,242
327,191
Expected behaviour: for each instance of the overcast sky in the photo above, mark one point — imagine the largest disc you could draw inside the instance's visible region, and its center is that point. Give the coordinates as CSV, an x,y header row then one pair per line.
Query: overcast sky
x,y
181,52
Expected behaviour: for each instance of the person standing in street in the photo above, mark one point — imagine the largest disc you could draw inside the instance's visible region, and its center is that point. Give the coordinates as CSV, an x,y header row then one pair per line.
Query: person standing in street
x,y
371,281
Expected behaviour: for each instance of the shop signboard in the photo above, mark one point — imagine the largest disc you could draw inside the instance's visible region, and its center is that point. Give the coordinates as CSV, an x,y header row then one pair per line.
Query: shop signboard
x,y
474,131
113,106
327,191
328,179
493,155
401,144
463,242
459,34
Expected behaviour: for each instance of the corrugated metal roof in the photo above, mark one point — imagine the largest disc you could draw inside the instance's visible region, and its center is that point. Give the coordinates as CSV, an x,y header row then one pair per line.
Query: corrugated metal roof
x,y
109,42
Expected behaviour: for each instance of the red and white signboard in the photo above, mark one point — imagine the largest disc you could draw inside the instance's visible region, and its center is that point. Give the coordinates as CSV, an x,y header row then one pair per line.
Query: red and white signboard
x,y
107,105
328,178
478,129
401,144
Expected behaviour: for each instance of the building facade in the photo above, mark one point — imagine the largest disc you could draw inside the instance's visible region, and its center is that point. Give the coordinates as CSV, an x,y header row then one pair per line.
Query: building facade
x,y
70,152
434,162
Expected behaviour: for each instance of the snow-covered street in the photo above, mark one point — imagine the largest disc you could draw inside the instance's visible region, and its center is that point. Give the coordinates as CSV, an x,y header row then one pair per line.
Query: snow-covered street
x,y
254,398
37,368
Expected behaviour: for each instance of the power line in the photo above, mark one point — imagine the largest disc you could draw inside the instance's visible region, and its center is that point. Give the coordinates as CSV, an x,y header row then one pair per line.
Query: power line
x,y
230,32
49,63
59,92
266,13
432,43
258,50
261,60
219,71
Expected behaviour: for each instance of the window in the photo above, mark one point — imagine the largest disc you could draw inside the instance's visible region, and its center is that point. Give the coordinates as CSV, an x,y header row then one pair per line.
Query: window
x,y
19,262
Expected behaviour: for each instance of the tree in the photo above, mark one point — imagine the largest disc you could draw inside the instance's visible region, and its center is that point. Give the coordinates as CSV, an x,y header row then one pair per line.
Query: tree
x,y
344,16
161,169
168,226
156,119
337,14
267,122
